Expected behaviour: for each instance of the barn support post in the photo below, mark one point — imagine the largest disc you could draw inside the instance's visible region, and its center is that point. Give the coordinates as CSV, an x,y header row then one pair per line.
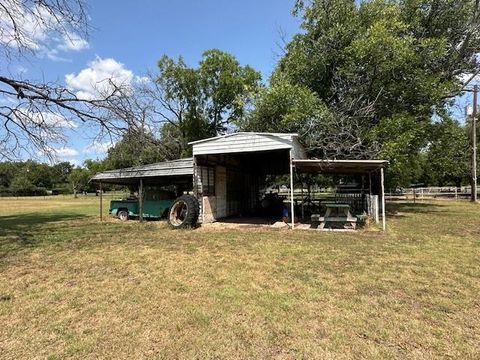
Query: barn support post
x,y
370,205
101,201
370,183
140,200
292,206
382,180
195,179
370,199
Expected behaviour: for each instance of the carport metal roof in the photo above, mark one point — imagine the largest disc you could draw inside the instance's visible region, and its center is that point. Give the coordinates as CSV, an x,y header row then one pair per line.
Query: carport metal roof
x,y
158,172
340,167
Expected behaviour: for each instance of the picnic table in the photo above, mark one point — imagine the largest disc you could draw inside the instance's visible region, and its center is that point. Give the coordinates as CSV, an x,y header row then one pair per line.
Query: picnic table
x,y
335,213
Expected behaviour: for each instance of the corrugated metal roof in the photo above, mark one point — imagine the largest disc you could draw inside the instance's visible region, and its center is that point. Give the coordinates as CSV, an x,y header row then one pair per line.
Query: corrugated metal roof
x,y
245,142
181,167
281,135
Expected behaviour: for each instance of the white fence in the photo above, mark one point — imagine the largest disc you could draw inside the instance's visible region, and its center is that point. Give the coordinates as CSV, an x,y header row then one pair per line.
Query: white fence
x,y
433,192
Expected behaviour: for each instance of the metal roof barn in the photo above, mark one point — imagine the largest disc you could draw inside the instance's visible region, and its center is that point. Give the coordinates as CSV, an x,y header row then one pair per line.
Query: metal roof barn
x,y
230,170
227,172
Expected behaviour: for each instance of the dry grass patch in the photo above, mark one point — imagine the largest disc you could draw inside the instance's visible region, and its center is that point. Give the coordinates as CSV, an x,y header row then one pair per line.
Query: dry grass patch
x,y
74,288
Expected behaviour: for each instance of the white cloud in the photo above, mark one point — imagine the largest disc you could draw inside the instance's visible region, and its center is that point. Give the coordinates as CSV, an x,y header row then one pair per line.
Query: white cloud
x,y
20,26
21,70
59,153
73,42
37,29
96,79
98,147
53,54
142,79
65,152
49,119
43,119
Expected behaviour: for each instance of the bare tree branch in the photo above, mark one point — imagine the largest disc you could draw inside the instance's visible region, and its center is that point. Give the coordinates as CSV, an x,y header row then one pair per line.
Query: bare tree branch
x,y
36,116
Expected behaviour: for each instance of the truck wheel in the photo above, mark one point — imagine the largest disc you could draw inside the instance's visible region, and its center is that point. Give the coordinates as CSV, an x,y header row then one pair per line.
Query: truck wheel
x,y
123,215
184,212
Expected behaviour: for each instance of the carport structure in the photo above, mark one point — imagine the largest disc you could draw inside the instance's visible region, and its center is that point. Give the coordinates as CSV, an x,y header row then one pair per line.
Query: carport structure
x,y
226,173
176,172
372,169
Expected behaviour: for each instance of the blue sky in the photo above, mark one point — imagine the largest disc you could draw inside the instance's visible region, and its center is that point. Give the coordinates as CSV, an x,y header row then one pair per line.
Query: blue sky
x,y
133,35
137,33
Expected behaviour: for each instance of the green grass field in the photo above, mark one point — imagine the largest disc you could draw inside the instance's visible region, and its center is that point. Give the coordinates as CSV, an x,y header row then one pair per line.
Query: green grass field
x,y
72,287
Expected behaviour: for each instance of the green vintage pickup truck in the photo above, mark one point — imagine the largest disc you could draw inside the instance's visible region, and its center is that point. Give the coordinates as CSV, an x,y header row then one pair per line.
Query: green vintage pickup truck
x,y
157,204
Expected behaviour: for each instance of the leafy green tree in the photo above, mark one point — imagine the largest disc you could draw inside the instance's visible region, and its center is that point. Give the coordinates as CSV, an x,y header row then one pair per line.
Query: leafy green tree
x,y
94,166
448,156
204,101
173,142
60,172
180,94
379,70
40,174
403,138
283,107
21,185
7,173
31,177
135,148
78,179
395,54
287,107
226,88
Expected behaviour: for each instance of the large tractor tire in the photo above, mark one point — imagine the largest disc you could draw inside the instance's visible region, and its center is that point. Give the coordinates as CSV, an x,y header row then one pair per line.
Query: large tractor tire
x,y
184,212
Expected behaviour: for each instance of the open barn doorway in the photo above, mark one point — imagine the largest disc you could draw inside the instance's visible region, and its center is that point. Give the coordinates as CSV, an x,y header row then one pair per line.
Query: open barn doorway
x,y
234,188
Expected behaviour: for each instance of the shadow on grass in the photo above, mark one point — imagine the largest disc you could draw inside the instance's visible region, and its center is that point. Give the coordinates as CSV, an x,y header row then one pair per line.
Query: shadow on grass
x,y
397,208
22,230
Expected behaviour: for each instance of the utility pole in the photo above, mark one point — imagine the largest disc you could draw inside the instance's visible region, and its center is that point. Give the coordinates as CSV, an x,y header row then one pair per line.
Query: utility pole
x,y
474,145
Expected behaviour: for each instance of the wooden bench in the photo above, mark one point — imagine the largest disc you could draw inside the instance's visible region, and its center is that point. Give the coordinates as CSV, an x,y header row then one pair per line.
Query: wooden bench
x,y
335,213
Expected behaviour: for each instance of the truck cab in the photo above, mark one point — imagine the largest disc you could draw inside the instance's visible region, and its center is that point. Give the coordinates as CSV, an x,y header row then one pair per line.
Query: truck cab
x,y
156,204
